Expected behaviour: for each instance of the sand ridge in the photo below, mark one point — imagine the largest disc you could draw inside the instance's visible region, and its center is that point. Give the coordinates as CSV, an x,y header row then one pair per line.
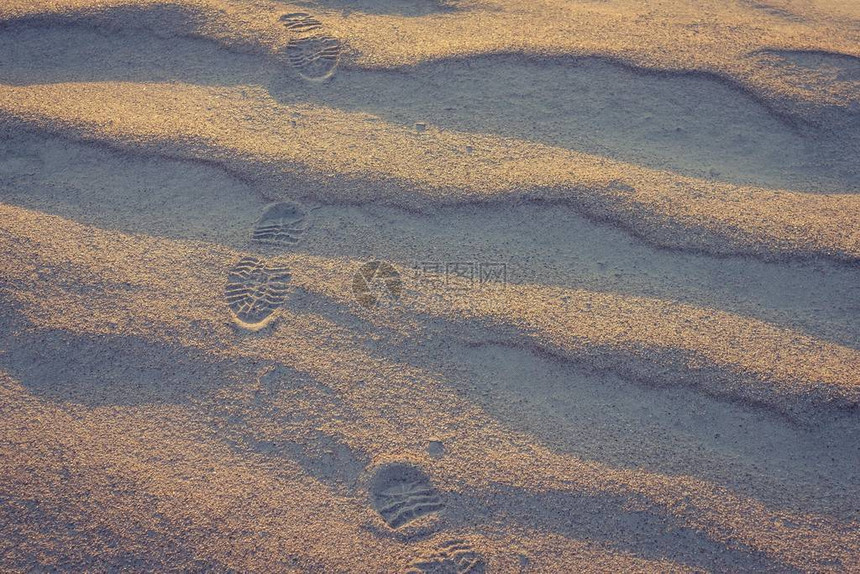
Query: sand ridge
x,y
247,323
715,37
194,311
563,319
719,219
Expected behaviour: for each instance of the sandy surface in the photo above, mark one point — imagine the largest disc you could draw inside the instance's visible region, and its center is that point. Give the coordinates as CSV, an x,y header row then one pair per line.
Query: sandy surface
x,y
613,324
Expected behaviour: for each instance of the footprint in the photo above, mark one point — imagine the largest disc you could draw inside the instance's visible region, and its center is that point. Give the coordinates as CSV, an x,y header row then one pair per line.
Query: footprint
x,y
402,493
255,291
314,55
281,224
300,22
828,66
450,557
772,8
315,58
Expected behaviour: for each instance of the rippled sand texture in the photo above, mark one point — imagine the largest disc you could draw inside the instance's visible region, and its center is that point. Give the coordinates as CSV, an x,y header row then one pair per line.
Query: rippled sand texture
x,y
645,356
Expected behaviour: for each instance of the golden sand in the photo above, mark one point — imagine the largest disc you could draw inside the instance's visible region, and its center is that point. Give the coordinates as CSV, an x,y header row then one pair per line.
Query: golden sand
x,y
603,410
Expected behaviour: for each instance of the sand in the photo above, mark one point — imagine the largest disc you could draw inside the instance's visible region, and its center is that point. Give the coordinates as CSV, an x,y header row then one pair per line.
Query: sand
x,y
429,286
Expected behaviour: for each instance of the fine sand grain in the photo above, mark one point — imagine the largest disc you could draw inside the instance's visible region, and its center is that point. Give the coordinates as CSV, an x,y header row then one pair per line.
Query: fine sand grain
x,y
429,286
